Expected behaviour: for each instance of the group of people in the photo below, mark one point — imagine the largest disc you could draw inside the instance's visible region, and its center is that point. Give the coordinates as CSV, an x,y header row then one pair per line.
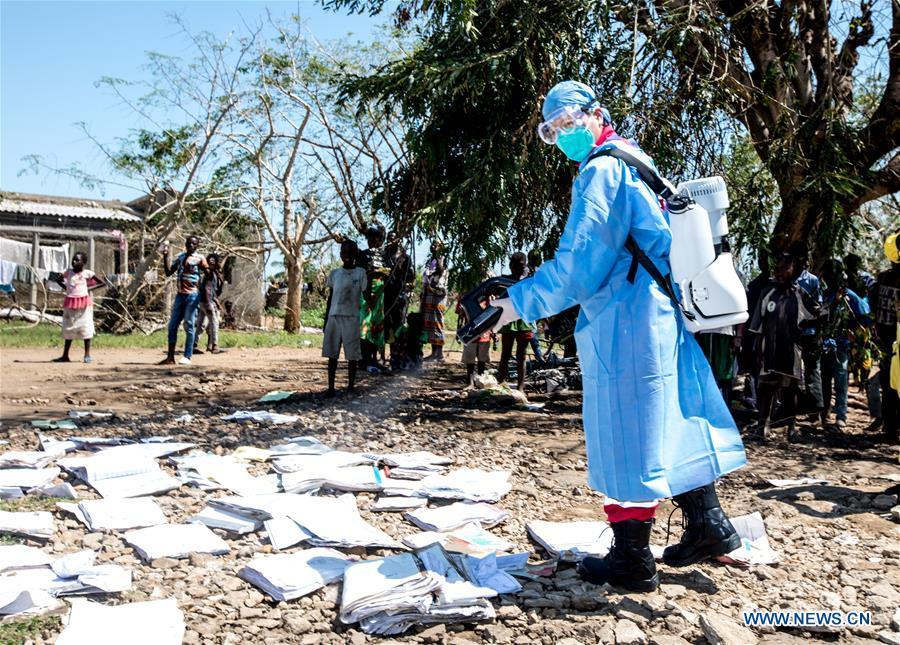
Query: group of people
x,y
807,335
367,308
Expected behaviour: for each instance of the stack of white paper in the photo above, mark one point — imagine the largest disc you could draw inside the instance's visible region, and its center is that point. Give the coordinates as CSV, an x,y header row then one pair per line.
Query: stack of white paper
x,y
261,416
27,477
261,507
391,595
63,490
286,576
470,539
130,475
116,514
27,458
397,504
572,541
755,548
336,522
21,556
349,478
148,450
38,524
300,446
175,541
386,585
54,445
452,516
414,465
21,603
470,484
319,462
208,471
22,588
159,622
218,518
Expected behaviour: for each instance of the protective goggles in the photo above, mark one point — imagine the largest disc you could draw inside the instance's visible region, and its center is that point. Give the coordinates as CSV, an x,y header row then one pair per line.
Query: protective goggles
x,y
562,121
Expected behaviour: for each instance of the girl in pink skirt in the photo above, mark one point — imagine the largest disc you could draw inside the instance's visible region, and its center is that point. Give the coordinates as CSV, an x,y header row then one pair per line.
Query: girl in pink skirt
x,y
78,307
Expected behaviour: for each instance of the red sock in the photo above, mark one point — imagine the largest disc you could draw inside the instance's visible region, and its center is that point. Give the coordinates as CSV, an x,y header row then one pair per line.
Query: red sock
x,y
618,513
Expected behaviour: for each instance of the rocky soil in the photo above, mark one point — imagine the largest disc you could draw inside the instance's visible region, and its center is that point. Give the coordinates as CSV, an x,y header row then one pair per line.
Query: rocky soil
x,y
839,547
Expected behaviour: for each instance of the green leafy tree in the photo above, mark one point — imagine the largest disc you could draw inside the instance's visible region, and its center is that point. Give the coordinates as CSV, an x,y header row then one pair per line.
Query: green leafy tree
x,y
684,77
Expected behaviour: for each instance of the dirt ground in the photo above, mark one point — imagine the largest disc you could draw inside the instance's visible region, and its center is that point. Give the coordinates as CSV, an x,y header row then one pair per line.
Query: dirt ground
x,y
129,381
838,546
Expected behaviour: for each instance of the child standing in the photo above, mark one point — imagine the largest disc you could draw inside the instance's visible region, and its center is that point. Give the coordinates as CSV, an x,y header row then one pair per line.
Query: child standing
x,y
477,354
342,315
78,307
518,331
784,310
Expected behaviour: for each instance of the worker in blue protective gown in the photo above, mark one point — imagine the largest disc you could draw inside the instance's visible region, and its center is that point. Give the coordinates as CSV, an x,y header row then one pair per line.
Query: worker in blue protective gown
x,y
655,422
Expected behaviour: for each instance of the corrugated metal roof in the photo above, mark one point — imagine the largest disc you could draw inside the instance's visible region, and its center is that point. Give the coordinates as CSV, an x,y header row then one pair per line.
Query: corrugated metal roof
x,y
74,208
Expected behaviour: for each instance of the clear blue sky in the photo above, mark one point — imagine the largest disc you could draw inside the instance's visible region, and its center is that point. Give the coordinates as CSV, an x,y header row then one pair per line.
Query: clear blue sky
x,y
52,53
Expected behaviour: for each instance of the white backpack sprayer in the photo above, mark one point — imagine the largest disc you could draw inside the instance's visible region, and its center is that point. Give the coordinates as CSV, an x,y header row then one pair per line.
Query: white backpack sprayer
x,y
708,291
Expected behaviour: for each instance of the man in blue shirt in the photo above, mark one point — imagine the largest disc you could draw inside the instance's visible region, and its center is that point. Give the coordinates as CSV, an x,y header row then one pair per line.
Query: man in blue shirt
x,y
846,312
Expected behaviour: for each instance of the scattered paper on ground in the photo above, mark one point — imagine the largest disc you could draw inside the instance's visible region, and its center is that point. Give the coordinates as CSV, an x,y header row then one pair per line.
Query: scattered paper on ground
x,y
755,548
571,541
286,576
175,541
154,622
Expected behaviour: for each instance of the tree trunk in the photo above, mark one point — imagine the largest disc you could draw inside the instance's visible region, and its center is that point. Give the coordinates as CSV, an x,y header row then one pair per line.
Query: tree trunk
x,y
293,301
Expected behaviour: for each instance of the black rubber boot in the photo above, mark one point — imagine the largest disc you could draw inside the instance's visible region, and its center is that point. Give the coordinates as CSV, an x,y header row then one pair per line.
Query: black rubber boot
x,y
707,533
629,563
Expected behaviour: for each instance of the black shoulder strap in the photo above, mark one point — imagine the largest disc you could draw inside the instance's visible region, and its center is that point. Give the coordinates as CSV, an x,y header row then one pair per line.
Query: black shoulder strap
x,y
650,177
647,174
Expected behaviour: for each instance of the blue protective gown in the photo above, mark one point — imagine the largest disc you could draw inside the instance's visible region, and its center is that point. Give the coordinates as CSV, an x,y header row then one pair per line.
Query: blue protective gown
x,y
655,423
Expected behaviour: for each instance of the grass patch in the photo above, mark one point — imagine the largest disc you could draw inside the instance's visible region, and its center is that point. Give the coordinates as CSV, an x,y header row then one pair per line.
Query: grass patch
x,y
31,503
6,540
22,630
17,334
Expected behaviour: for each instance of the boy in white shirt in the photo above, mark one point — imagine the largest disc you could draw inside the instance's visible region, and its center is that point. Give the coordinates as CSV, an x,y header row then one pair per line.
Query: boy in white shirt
x,y
342,326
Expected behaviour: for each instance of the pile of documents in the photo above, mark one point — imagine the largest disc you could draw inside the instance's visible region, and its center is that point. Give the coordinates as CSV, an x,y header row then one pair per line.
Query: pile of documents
x,y
14,480
286,576
322,521
209,472
218,518
300,446
121,475
572,541
37,524
261,416
28,458
390,595
175,541
397,504
30,582
471,484
453,516
755,548
116,514
348,478
470,539
413,465
160,622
